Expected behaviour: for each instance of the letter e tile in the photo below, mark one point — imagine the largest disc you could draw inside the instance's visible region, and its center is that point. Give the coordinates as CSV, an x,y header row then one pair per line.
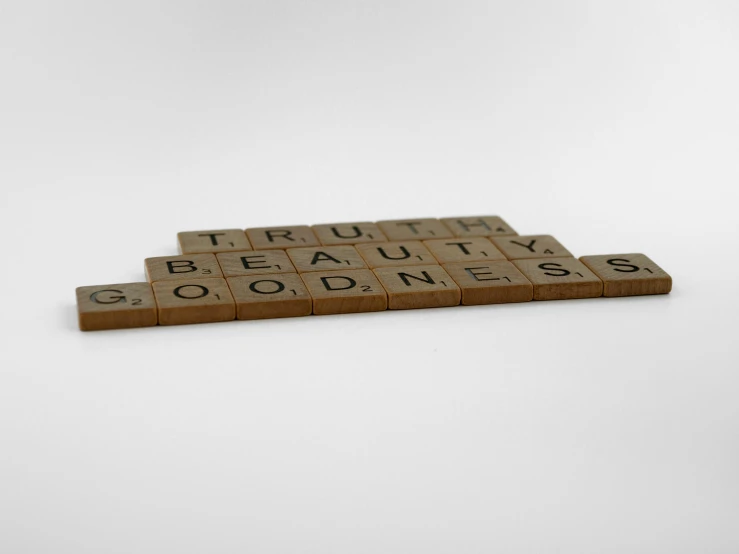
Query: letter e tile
x,y
498,282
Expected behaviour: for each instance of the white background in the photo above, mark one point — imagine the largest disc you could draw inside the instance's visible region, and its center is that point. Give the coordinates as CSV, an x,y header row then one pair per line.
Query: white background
x,y
605,425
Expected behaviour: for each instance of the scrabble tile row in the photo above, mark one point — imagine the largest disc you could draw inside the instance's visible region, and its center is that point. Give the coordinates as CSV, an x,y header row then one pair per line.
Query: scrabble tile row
x,y
337,234
181,298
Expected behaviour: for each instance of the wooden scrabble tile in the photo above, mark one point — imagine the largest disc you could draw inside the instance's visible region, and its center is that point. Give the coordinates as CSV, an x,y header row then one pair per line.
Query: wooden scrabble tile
x,y
325,258
560,278
472,249
200,242
270,296
422,286
629,274
196,301
291,236
531,247
235,264
478,226
189,266
401,253
497,282
345,291
121,306
414,229
333,234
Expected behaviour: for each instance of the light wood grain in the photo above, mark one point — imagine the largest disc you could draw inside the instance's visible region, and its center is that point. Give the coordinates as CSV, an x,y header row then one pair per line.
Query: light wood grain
x,y
423,286
478,226
270,296
345,291
262,262
334,234
224,240
463,250
628,274
289,236
497,282
195,301
326,258
177,268
396,254
414,229
560,278
531,247
119,306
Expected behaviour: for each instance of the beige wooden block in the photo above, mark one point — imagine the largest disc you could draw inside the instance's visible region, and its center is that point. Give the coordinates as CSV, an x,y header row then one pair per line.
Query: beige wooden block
x,y
270,296
325,258
414,229
290,236
196,301
345,291
334,234
263,262
177,268
472,249
531,247
200,242
478,226
394,254
628,274
497,282
120,306
423,286
560,278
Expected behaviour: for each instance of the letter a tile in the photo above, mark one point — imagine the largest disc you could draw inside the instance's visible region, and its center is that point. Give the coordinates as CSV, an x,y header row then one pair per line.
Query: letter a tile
x,y
422,286
326,258
121,306
346,291
177,268
629,274
560,278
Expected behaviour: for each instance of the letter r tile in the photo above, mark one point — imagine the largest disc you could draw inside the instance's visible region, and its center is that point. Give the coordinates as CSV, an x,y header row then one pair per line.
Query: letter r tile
x,y
291,236
189,266
345,291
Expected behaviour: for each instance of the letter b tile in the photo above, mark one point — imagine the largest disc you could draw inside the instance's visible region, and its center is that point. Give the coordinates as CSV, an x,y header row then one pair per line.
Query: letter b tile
x,y
343,292
177,268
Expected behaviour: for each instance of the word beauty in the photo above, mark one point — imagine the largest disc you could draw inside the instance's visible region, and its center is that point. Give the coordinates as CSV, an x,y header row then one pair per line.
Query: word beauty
x,y
299,270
